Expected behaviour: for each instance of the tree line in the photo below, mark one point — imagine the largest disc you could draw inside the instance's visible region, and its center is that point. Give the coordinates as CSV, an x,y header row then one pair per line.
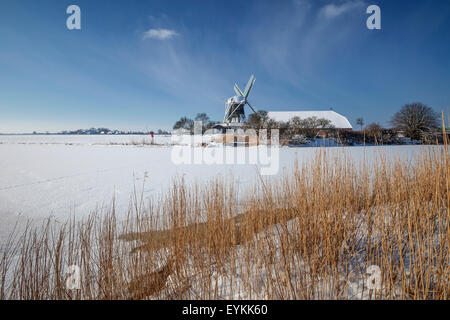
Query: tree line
x,y
414,121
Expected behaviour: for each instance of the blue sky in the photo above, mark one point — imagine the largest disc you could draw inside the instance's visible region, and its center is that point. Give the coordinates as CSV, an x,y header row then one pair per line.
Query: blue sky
x,y
141,65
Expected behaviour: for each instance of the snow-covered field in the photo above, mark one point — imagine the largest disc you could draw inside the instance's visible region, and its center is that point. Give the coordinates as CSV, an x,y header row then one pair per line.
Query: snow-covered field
x,y
59,176
103,139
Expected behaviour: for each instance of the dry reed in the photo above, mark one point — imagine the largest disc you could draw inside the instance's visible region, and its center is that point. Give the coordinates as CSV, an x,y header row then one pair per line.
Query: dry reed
x,y
313,233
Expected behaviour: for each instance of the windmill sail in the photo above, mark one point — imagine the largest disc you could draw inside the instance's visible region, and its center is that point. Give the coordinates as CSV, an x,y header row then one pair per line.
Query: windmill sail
x,y
234,108
237,90
249,86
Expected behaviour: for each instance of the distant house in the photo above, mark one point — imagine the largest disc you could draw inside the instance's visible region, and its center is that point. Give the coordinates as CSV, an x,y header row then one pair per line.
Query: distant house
x,y
336,119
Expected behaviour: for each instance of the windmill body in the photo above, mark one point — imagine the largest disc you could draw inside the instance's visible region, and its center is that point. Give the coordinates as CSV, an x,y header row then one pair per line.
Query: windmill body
x,y
234,110
235,106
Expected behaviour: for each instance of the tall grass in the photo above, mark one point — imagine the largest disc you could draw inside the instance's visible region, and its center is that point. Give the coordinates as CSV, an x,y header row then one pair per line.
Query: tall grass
x,y
313,233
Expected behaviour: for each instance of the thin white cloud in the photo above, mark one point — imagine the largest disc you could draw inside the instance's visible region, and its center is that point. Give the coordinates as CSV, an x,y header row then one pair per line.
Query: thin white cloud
x,y
333,10
160,34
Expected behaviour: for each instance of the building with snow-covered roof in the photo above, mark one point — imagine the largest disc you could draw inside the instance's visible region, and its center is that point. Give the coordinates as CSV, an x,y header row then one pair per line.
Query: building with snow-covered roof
x,y
336,119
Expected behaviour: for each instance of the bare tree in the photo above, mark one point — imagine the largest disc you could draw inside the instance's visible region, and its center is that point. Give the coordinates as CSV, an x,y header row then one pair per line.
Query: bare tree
x,y
184,123
309,126
374,130
206,122
360,122
415,120
258,120
202,117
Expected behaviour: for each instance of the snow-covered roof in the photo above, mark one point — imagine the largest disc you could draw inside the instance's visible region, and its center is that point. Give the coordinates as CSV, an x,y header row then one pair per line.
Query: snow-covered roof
x,y
337,120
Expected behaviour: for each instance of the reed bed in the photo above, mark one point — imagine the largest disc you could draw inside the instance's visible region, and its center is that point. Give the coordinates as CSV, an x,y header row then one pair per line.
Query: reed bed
x,y
322,230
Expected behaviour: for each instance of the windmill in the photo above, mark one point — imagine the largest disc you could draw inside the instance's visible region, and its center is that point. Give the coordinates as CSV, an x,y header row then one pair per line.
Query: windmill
x,y
234,107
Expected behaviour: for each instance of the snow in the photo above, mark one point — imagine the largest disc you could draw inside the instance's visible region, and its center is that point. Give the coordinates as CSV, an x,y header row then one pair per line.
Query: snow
x,y
59,176
339,121
83,139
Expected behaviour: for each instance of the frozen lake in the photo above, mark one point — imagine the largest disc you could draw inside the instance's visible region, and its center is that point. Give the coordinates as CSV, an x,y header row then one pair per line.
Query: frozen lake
x,y
104,139
42,176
